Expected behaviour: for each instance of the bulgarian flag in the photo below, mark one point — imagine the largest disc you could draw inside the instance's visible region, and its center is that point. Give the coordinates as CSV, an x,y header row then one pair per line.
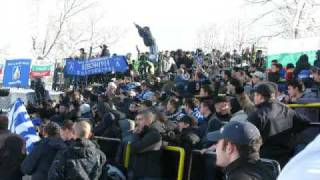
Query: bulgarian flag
x,y
40,71
289,50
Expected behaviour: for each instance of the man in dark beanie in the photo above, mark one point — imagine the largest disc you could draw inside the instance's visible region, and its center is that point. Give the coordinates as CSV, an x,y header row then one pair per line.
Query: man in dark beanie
x,y
38,162
277,124
12,152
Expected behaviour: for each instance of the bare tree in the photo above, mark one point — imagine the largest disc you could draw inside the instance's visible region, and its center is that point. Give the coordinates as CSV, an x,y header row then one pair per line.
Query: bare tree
x,y
287,18
56,25
211,37
225,37
92,32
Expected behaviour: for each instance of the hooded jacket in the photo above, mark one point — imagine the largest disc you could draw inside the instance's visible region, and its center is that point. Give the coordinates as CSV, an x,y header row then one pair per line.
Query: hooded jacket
x,y
38,162
81,160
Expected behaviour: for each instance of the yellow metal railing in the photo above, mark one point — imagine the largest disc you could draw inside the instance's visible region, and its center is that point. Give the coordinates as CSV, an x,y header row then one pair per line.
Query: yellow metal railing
x,y
127,155
181,159
310,105
180,150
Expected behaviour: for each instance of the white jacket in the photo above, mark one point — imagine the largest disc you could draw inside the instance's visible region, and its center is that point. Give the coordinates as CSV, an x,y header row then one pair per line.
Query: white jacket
x,y
305,165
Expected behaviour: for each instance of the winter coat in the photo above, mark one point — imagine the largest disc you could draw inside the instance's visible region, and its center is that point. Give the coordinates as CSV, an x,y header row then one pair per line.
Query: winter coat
x,y
146,154
81,160
217,121
248,169
38,162
277,124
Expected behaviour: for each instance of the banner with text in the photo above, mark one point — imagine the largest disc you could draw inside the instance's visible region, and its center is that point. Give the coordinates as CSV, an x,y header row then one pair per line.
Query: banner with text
x,y
96,66
16,73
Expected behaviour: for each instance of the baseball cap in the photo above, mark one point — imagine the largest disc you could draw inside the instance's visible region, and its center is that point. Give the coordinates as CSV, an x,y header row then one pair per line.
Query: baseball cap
x,y
258,74
238,132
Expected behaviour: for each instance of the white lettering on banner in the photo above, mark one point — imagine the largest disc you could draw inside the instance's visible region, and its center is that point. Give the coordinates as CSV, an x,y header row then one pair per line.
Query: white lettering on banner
x,y
18,63
15,82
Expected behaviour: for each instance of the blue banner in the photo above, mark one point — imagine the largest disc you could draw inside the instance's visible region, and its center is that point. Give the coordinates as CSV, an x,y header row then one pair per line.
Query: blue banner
x,y
96,66
16,73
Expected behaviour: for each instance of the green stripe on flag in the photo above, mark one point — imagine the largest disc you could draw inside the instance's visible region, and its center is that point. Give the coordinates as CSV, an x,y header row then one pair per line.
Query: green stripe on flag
x,y
41,68
286,58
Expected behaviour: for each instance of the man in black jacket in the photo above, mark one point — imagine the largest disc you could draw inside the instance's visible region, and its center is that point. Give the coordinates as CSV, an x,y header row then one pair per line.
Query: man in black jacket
x,y
222,113
38,162
207,110
12,152
81,160
277,124
145,148
238,152
188,136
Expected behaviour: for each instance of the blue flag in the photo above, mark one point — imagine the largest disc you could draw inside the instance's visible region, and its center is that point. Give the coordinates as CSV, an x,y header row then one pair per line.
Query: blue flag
x,y
21,124
16,73
96,66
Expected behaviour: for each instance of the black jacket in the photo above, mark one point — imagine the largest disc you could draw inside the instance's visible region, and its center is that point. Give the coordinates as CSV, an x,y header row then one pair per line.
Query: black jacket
x,y
189,138
242,169
217,121
146,154
12,148
203,127
38,162
277,124
146,35
81,160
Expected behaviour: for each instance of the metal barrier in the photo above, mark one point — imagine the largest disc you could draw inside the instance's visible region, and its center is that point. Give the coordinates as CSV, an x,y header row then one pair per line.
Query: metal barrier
x,y
310,105
107,139
127,155
179,150
202,166
109,146
181,159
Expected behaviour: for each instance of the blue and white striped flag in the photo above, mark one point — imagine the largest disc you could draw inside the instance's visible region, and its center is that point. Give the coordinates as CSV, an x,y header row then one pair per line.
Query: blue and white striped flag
x,y
21,124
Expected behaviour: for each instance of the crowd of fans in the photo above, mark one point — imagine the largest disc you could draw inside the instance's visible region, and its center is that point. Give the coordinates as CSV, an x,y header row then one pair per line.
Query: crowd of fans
x,y
227,103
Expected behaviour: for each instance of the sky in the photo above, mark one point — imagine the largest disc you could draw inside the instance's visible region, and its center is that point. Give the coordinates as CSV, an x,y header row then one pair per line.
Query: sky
x,y
174,23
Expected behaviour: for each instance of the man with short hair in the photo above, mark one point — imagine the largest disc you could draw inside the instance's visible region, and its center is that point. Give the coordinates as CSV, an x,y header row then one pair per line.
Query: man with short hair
x,y
222,113
206,91
81,160
145,148
277,124
188,134
296,92
256,78
38,162
207,110
60,118
237,150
